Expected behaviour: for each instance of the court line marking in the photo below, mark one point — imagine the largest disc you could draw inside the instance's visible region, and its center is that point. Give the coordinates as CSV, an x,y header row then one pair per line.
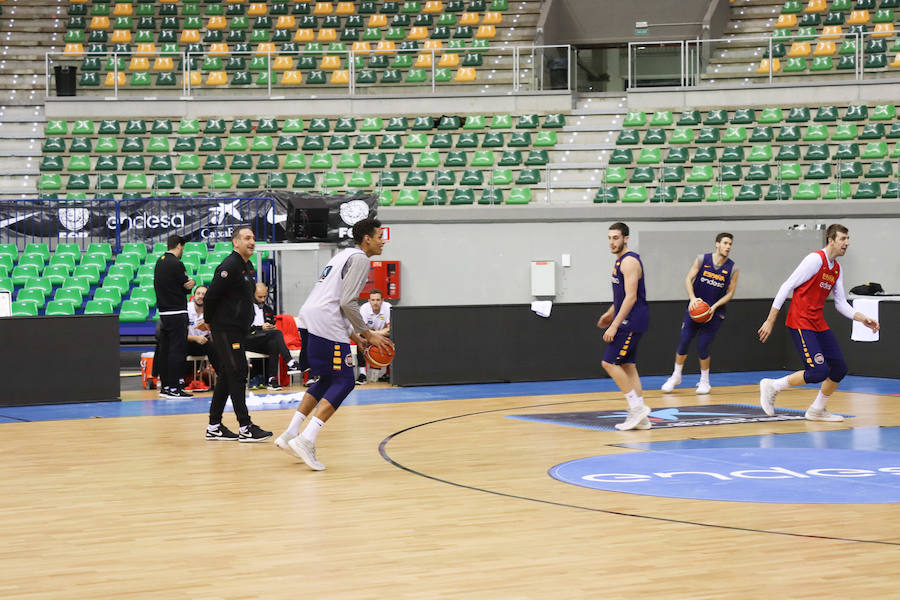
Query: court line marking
x,y
382,450
18,419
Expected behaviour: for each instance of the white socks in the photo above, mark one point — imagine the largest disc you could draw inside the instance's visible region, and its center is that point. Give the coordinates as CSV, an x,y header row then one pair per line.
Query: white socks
x,y
781,384
677,371
634,400
312,429
820,402
704,376
296,422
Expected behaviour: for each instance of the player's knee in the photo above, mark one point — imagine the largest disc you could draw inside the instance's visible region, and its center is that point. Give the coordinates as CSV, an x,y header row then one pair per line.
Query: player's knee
x,y
608,366
339,390
837,371
816,374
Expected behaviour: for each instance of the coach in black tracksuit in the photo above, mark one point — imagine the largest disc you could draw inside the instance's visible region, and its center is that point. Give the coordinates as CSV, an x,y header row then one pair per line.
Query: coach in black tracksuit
x,y
170,282
229,313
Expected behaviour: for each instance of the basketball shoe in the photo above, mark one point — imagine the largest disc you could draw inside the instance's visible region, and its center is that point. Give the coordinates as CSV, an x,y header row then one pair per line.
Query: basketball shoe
x,y
273,385
635,416
670,383
220,433
282,441
306,450
253,433
703,388
822,414
767,395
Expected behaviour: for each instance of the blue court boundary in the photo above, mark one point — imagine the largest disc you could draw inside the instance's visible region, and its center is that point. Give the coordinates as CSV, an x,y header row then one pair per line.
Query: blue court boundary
x,y
362,396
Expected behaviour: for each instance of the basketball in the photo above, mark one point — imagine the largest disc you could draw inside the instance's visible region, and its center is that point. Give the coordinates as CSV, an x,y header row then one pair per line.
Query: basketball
x,y
378,357
698,313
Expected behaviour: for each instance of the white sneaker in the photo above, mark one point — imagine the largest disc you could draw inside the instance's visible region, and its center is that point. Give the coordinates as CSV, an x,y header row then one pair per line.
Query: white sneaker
x,y
635,416
822,414
670,383
767,395
306,450
703,388
644,424
282,441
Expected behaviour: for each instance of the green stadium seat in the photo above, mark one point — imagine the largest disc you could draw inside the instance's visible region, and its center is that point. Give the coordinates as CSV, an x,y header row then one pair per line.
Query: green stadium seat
x,y
872,131
732,154
749,191
402,160
771,116
501,177
700,173
485,158
682,135
880,169
845,131
731,172
673,174
24,309
635,119
607,195
674,155
867,190
72,295
648,156
892,190
642,175
808,190
655,136
463,196
100,248
133,163
408,198
883,112
40,283
689,118
693,193
134,311
663,193
779,191
850,169
819,170
445,177
635,193
760,152
435,197
721,193
826,114
99,307
456,158
759,173
615,175
519,196
628,137
838,190
817,152
304,180
847,151
510,158
788,133
35,296
705,154
623,156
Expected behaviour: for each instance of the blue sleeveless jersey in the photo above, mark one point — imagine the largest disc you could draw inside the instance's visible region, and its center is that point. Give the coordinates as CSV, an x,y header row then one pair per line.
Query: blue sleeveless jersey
x,y
638,319
711,283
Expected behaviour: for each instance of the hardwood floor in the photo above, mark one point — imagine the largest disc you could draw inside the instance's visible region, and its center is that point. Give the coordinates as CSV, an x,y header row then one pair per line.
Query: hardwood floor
x,y
143,507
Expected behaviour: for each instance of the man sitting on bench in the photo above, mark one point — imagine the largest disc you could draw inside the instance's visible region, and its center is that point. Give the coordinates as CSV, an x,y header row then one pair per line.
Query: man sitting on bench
x,y
265,338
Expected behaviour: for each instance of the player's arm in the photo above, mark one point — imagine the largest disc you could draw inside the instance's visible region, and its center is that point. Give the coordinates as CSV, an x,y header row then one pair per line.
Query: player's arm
x,y
729,294
808,267
689,280
606,318
844,307
354,278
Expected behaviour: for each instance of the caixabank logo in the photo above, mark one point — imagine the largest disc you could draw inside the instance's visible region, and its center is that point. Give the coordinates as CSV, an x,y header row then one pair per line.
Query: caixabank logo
x,y
777,475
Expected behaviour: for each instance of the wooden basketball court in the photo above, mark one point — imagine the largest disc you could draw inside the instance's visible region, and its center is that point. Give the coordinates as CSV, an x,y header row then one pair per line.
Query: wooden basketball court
x,y
430,499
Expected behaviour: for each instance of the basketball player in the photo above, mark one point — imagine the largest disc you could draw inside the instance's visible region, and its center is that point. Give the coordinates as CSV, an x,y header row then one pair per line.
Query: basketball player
x,y
817,275
625,322
711,279
332,303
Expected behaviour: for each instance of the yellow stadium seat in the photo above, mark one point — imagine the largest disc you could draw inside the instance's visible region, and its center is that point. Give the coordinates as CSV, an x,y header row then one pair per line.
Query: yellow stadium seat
x,y
190,36
78,1
218,49
111,78
217,78
74,49
146,49
217,22
486,32
423,61
234,1
816,6
326,34
265,49
340,77
433,7
858,17
895,64
378,20
883,30
799,49
831,32
139,63
825,48
468,18
121,36
163,63
449,60
122,10
361,48
417,33
385,47
786,21
257,9
286,22
169,1
433,45
99,22
464,75
196,78
291,78
345,8
330,63
764,66
492,18
323,8
305,35
283,63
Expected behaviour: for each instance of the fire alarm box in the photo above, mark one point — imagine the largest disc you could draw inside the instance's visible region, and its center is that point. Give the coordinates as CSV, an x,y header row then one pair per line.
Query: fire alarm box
x,y
384,275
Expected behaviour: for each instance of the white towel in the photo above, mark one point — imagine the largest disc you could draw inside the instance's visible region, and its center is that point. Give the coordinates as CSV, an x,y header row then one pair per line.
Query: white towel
x,y
868,307
542,307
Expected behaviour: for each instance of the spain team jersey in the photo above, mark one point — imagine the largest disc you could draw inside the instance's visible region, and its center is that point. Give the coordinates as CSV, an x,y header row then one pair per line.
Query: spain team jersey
x,y
712,283
638,319
808,302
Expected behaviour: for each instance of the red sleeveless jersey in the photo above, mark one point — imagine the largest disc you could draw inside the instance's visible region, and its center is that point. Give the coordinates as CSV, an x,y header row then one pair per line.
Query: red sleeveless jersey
x,y
808,301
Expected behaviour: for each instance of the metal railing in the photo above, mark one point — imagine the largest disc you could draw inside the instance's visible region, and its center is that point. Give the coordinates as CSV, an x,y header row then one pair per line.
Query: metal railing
x,y
533,68
694,58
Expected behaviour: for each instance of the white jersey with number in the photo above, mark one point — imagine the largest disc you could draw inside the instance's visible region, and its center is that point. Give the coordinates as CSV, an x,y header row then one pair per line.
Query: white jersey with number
x,y
321,313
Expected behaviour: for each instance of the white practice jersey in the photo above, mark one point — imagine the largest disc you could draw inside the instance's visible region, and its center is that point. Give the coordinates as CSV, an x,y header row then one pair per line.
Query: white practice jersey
x,y
379,321
331,309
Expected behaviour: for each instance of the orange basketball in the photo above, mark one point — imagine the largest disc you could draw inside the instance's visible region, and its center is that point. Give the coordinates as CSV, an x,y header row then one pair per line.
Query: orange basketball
x,y
699,312
378,357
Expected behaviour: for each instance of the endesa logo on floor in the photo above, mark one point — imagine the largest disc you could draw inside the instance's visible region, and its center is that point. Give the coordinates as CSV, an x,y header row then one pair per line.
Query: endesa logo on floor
x,y
777,475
